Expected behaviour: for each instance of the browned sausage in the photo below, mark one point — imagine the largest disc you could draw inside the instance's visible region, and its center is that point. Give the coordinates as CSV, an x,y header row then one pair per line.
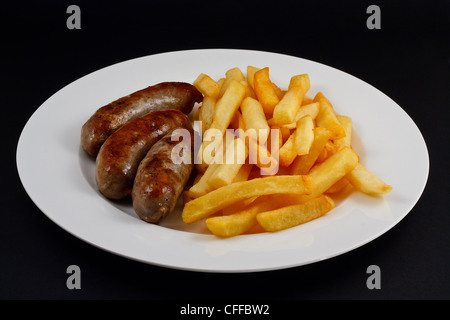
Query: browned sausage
x,y
119,157
160,181
163,96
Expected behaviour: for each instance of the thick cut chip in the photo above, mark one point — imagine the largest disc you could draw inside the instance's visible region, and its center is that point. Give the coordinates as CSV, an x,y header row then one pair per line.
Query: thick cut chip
x,y
265,92
242,220
303,164
287,152
225,109
255,119
235,156
346,141
201,187
251,70
287,108
218,199
332,170
206,112
311,109
327,118
338,186
234,74
207,86
367,182
291,216
304,135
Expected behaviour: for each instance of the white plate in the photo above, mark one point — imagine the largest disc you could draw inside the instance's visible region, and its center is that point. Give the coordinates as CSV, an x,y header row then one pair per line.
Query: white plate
x,y
59,177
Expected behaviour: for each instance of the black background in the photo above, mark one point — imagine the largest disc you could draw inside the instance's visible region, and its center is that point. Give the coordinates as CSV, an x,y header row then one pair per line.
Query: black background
x,y
408,59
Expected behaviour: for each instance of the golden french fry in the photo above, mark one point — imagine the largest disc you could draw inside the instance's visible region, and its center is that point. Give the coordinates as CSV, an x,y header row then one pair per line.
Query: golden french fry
x,y
274,142
206,112
242,220
320,97
286,109
261,156
280,93
218,199
207,86
323,155
250,75
332,170
225,109
221,82
235,156
306,101
199,78
238,206
254,118
227,105
294,215
234,74
304,135
287,153
327,118
346,141
201,187
311,109
234,124
249,92
243,172
264,91
303,164
338,186
329,149
367,182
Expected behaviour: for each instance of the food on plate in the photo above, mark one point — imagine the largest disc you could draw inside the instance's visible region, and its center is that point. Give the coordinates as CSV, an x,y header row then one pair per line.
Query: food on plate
x,y
109,118
265,91
261,158
367,182
159,180
120,155
220,198
288,135
287,108
294,215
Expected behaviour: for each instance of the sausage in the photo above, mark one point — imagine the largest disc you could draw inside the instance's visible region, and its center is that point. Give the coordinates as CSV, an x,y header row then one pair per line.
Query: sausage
x,y
119,157
109,118
159,180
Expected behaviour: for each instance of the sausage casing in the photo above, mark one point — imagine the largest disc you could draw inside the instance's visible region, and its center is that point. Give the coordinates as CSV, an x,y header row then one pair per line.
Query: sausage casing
x,y
109,118
120,155
159,180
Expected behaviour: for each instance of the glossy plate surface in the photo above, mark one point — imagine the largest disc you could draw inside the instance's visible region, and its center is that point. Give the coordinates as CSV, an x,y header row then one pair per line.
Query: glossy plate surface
x,y
59,176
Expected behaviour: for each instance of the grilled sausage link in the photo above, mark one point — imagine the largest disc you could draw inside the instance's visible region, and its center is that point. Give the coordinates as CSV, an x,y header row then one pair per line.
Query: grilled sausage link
x,y
159,180
163,96
120,155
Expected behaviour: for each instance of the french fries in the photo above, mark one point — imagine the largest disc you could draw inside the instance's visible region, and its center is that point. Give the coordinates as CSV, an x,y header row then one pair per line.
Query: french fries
x,y
207,86
271,158
254,118
332,170
294,215
286,109
218,199
327,117
264,90
304,135
241,221
367,182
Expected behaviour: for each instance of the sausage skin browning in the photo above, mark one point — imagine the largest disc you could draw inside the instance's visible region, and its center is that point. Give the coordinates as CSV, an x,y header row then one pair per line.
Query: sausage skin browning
x,y
120,155
109,118
160,181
